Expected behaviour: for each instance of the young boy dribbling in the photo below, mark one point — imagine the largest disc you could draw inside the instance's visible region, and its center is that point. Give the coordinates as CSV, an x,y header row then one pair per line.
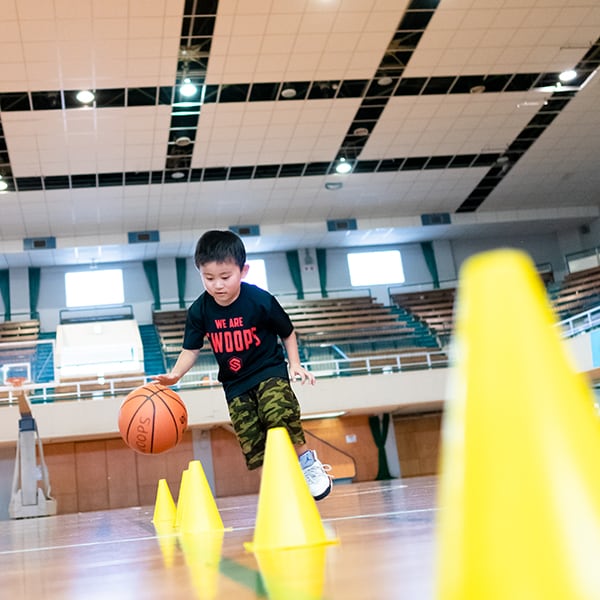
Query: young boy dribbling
x,y
243,324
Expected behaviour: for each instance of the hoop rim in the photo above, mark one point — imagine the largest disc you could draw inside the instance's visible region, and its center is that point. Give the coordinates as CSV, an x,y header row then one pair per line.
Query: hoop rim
x,y
16,381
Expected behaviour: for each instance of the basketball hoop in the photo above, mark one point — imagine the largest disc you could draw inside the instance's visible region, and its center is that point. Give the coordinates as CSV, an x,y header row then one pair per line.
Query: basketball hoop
x,y
16,382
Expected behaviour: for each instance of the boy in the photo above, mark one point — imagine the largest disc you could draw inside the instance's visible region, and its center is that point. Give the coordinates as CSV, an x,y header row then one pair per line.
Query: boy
x,y
243,323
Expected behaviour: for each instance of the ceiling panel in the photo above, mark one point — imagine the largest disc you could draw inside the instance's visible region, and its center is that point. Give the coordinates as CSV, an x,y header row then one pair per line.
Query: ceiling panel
x,y
436,106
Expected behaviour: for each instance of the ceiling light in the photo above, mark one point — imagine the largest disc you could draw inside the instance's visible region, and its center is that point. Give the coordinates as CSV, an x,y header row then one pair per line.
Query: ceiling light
x,y
343,166
183,140
3,186
333,185
477,89
85,96
188,89
361,131
568,75
288,92
385,80
177,175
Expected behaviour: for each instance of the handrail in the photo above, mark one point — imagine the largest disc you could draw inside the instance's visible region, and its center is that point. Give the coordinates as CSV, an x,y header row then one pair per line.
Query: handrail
x,y
96,313
580,323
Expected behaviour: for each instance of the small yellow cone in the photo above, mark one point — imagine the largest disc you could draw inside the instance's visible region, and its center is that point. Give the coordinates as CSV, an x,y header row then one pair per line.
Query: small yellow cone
x,y
182,498
293,574
202,555
520,487
200,512
287,516
164,507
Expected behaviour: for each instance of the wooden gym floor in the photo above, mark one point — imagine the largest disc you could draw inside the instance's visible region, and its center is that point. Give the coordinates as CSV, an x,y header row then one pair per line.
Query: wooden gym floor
x,y
385,551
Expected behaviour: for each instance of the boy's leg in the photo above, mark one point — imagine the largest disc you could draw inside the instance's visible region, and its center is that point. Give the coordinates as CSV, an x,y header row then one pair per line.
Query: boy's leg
x,y
278,407
250,432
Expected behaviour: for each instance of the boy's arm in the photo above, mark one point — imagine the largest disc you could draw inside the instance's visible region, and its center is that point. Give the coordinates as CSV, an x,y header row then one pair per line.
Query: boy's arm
x,y
295,368
185,361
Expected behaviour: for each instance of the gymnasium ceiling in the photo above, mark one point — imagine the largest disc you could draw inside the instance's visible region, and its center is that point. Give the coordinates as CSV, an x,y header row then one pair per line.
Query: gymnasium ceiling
x,y
451,108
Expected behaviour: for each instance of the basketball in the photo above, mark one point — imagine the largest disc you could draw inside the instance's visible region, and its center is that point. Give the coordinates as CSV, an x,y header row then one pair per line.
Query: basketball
x,y
152,419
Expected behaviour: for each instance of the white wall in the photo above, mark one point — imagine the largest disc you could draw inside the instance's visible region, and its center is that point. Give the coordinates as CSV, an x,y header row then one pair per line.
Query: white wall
x,y
541,248
450,255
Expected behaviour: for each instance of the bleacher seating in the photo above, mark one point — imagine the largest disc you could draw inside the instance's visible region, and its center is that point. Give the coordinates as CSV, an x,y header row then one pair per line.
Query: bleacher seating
x,y
434,307
578,292
345,320
19,331
170,325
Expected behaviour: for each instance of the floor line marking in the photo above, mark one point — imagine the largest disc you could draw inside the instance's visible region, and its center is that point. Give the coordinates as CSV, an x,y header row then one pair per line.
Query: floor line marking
x,y
233,529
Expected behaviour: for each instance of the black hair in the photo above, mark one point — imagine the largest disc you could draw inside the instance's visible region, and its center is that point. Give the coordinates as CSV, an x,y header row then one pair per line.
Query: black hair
x,y
220,246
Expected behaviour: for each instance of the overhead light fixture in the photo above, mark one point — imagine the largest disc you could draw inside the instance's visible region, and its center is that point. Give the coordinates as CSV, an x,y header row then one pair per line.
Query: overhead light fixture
x,y
183,140
361,131
85,96
188,89
177,175
333,185
385,80
343,166
568,75
477,89
3,186
288,92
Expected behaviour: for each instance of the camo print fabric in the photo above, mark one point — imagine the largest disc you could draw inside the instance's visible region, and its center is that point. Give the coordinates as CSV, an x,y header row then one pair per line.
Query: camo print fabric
x,y
272,403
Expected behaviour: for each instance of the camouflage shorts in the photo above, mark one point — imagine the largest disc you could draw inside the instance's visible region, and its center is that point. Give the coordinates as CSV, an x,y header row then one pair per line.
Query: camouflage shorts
x,y
272,403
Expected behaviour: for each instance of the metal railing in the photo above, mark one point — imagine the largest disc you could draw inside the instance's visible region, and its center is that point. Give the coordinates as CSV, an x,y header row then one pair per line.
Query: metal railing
x,y
98,388
581,323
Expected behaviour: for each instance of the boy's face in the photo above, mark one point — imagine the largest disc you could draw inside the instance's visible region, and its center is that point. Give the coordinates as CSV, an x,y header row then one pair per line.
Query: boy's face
x,y
222,280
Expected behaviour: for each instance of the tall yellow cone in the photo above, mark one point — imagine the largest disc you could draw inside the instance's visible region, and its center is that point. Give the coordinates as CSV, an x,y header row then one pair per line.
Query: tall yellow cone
x,y
520,486
182,498
293,574
287,516
200,512
164,507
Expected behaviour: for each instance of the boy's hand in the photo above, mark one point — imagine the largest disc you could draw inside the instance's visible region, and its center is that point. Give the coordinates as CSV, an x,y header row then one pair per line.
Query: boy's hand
x,y
299,372
166,379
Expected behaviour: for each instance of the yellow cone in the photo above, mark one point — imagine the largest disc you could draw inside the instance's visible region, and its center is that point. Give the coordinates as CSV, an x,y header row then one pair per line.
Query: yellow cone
x,y
182,498
200,512
202,555
520,486
164,507
293,574
287,516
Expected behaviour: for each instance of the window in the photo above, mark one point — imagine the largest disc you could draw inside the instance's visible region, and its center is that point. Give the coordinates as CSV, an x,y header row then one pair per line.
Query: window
x,y
94,288
375,268
257,273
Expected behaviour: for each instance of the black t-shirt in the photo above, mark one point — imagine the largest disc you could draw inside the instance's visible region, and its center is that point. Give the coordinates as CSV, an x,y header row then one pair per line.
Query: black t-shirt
x,y
243,337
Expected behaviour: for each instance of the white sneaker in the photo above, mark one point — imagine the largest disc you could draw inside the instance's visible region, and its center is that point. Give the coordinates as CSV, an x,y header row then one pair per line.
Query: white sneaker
x,y
315,473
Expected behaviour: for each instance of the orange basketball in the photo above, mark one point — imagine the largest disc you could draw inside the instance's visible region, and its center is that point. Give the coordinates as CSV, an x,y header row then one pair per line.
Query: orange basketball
x,y
152,419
